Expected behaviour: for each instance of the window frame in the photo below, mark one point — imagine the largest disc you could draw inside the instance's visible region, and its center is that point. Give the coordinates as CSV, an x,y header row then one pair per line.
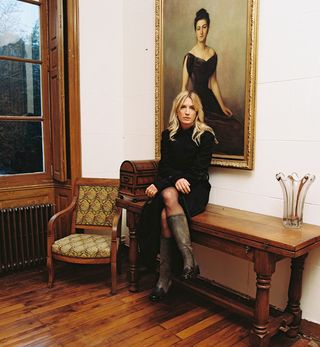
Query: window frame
x,y
44,118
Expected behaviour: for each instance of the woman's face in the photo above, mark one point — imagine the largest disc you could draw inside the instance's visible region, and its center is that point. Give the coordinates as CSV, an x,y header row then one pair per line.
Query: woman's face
x,y
202,30
187,114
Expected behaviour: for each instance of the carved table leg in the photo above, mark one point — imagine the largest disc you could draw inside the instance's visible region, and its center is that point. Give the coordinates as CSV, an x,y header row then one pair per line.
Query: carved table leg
x,y
264,266
133,252
294,294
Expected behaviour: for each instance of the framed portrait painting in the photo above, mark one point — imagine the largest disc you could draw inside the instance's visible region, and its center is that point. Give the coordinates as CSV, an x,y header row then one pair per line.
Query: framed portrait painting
x,y
209,47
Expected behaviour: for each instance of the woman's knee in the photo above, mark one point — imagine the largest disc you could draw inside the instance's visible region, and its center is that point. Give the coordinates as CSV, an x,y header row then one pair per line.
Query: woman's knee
x,y
170,196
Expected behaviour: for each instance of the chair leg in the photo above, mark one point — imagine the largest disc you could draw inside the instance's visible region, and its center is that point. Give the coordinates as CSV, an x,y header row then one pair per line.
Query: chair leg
x,y
50,268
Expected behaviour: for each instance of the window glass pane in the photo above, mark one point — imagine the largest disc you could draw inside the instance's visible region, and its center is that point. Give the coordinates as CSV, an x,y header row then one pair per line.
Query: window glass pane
x,y
19,29
21,147
20,88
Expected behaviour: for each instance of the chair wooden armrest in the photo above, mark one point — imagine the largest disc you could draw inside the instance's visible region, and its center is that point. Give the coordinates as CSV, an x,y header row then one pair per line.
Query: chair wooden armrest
x,y
116,225
116,233
115,244
55,218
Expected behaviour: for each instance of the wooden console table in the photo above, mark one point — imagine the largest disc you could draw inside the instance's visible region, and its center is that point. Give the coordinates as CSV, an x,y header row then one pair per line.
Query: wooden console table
x,y
258,238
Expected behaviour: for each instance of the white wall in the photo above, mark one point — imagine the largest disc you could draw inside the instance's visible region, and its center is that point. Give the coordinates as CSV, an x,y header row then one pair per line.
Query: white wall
x,y
139,79
101,87
117,112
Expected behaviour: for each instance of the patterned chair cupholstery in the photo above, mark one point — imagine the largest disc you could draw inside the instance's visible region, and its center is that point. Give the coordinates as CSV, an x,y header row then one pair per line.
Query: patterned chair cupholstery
x,y
93,211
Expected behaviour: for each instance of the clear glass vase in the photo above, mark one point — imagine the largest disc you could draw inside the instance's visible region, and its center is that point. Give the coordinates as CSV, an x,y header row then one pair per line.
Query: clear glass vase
x,y
294,194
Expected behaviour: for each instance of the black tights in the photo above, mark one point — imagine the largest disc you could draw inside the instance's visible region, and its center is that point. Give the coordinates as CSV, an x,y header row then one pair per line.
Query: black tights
x,y
170,197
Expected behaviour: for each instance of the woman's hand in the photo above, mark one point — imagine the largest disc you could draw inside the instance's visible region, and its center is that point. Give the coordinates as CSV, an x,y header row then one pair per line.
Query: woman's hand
x,y
151,191
183,186
227,111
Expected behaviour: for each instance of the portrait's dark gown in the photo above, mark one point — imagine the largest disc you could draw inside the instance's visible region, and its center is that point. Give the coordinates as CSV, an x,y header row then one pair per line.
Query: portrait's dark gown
x,y
228,130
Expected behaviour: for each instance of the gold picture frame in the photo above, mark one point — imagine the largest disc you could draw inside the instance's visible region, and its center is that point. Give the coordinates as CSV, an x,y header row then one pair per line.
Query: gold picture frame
x,y
236,27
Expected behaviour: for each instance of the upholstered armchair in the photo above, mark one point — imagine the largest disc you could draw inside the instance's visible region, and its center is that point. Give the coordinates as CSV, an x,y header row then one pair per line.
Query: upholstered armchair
x,y
92,208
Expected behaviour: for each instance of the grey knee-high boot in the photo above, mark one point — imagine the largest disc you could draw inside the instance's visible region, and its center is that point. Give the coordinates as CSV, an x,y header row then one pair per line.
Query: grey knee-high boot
x,y
165,277
178,225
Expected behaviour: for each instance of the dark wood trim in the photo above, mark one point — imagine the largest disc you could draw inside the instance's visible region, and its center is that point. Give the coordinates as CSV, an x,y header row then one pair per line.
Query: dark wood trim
x,y
34,2
21,60
45,89
22,118
74,89
33,194
57,90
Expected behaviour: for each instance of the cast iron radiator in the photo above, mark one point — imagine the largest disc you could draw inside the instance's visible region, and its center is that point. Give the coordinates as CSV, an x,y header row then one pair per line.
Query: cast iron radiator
x,y
23,236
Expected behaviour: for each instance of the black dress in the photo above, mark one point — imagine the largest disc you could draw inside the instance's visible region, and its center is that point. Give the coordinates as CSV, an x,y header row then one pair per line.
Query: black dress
x,y
181,158
229,130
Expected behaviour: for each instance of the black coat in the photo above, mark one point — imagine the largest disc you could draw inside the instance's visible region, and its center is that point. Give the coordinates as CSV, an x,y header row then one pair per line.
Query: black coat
x,y
181,158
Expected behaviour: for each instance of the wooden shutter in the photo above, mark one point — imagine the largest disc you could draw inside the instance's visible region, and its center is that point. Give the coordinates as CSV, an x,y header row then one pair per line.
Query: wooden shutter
x,y
57,94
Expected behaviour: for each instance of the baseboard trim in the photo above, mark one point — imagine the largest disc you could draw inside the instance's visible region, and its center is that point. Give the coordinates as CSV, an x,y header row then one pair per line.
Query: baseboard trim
x,y
310,329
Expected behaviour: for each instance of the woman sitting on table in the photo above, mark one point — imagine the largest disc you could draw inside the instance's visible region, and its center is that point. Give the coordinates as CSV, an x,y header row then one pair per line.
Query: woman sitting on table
x,y
180,191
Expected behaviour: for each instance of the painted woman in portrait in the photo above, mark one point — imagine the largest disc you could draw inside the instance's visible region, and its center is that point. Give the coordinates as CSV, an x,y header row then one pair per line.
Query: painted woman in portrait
x,y
200,74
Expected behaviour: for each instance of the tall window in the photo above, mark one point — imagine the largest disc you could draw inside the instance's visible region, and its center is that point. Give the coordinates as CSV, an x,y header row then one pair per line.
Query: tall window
x,y
24,119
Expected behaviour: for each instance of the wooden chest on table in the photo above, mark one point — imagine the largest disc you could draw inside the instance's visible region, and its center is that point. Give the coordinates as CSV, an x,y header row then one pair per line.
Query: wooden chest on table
x,y
135,177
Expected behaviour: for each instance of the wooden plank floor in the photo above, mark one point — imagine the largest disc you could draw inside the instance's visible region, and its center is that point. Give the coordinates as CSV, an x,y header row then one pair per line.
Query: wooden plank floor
x,y
79,311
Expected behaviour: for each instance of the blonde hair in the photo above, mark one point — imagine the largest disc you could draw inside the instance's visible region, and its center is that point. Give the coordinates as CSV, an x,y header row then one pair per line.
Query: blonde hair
x,y
199,125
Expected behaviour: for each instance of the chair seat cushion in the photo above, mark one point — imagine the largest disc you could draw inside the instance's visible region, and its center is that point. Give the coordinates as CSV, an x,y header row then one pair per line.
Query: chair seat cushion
x,y
83,246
